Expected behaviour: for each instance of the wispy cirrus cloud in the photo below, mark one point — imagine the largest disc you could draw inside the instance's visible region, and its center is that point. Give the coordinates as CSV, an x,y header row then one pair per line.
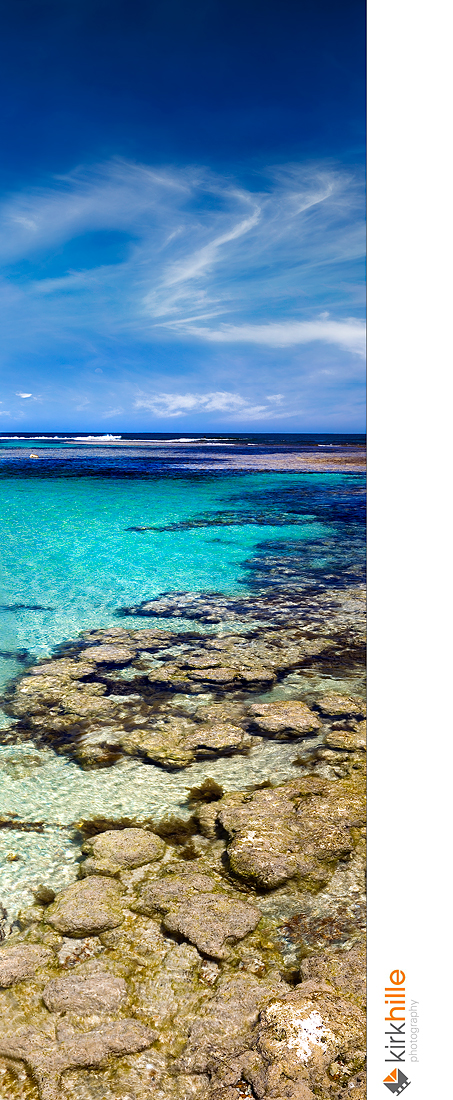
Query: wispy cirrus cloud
x,y
199,245
348,334
130,266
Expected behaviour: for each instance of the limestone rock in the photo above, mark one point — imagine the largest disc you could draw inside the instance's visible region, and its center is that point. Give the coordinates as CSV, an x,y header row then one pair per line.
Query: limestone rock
x,y
267,857
171,994
48,1060
219,675
222,737
213,922
225,1027
284,718
21,961
86,907
65,669
163,895
343,972
308,1042
332,703
107,694
109,654
177,742
193,907
301,828
221,1025
44,894
120,849
350,740
305,1036
85,994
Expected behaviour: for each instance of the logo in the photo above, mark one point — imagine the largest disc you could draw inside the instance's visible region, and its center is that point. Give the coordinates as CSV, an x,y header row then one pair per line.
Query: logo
x,y
396,1081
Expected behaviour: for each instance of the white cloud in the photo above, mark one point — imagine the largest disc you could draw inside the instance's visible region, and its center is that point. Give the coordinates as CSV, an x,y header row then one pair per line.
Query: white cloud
x,y
24,395
196,265
220,401
347,334
111,196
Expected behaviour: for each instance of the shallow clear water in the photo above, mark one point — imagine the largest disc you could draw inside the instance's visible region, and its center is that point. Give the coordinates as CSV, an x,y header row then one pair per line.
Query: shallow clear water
x,y
68,563
67,550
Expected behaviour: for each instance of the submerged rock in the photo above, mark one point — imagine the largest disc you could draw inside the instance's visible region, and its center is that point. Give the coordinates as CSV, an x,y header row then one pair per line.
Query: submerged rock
x,y
117,692
176,742
292,718
110,654
195,907
21,961
350,740
219,956
334,704
48,1060
85,994
195,957
92,905
225,1026
119,849
300,829
212,923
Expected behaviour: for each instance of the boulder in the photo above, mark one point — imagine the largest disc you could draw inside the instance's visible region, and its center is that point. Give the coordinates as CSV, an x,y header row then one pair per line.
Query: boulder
x,y
90,906
64,669
332,704
211,922
21,961
310,1036
120,849
301,828
193,907
177,742
162,895
85,994
267,856
349,740
48,1060
284,718
221,737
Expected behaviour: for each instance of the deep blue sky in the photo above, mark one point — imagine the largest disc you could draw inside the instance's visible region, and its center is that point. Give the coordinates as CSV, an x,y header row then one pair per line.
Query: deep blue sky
x,y
182,212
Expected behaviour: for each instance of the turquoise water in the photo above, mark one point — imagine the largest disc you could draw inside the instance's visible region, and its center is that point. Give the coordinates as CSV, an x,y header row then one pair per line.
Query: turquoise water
x,y
65,549
68,562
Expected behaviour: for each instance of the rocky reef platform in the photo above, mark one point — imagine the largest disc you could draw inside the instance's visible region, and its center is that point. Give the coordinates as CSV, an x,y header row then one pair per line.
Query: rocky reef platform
x,y
216,952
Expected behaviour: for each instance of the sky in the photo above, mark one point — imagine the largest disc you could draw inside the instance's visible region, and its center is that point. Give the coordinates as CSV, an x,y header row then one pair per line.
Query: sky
x,y
182,215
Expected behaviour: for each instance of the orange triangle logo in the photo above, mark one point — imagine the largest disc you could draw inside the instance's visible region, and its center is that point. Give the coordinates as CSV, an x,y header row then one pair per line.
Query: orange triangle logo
x,y
392,1076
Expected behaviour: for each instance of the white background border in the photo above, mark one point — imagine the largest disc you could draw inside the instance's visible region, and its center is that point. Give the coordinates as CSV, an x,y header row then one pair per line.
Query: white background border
x,y
410,797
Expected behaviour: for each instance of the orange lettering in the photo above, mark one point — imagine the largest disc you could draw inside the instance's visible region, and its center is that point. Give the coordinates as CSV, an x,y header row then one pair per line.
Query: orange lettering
x,y
399,978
